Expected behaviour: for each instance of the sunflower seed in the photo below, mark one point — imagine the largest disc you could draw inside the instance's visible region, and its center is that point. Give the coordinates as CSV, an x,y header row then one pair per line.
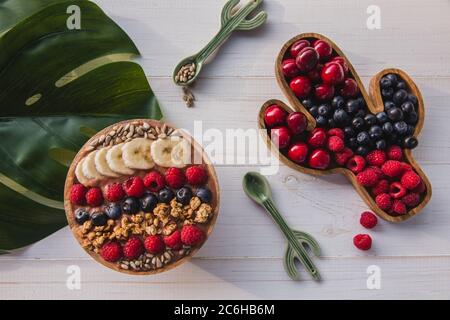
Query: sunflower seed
x,y
125,262
124,266
158,263
129,135
107,139
94,143
132,129
114,128
140,131
101,139
112,133
89,148
154,261
167,255
119,131
151,136
147,266
146,126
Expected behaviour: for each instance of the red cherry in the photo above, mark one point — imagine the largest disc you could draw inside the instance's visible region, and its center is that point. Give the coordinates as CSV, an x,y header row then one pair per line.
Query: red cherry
x,y
298,152
301,86
342,62
324,91
274,116
314,75
289,68
307,59
332,73
281,137
299,46
317,137
297,122
350,88
324,49
319,159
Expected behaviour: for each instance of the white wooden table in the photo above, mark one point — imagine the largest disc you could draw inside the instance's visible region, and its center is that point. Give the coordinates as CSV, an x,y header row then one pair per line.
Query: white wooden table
x,y
242,259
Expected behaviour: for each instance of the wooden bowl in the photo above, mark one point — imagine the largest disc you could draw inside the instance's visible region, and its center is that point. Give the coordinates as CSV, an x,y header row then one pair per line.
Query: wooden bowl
x,y
374,104
196,151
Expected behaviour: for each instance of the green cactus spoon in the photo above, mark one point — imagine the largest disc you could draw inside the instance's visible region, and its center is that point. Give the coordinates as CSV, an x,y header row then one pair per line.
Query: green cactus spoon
x,y
230,21
257,188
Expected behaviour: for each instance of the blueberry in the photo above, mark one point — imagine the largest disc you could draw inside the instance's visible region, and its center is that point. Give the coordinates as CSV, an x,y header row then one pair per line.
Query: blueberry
x,y
184,195
393,78
99,219
400,96
358,123
381,144
362,138
387,93
412,118
370,119
130,205
324,110
308,103
165,195
352,106
375,132
395,114
412,98
362,151
401,85
407,107
148,202
331,123
389,105
341,117
314,111
388,128
381,117
349,132
410,142
360,114
321,121
400,127
81,216
338,102
362,102
113,211
204,194
385,83
352,142
410,130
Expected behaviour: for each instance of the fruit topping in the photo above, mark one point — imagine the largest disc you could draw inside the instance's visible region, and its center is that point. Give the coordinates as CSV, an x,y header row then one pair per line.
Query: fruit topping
x,y
184,195
114,192
154,244
113,211
175,177
165,195
196,175
111,251
133,248
204,194
130,205
154,181
192,235
148,202
173,241
94,197
99,218
78,194
134,187
81,216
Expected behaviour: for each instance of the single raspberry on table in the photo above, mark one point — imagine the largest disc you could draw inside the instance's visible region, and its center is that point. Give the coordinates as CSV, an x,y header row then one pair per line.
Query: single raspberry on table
x,y
335,144
154,181
367,178
133,248
411,200
398,207
384,201
154,244
410,180
362,241
356,164
94,197
336,132
392,168
78,194
134,187
342,157
111,251
368,220
114,192
173,241
196,175
394,153
191,235
397,190
381,187
175,178
376,158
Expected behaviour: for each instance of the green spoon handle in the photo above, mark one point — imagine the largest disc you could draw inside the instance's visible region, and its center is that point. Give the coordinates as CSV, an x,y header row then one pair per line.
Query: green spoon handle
x,y
291,238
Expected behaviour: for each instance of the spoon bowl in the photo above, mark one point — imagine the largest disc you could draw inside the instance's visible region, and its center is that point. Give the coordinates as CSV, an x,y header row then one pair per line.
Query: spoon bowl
x,y
198,67
256,187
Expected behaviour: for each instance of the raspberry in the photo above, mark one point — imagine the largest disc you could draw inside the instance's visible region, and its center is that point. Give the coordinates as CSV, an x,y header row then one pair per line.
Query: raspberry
x,y
154,181
342,157
378,171
367,178
392,168
356,164
406,167
410,180
381,187
133,248
397,190
376,158
411,200
134,187
398,207
335,144
384,201
175,178
362,241
196,175
114,192
192,235
94,197
78,194
111,251
154,244
368,220
336,132
394,153
174,240
420,188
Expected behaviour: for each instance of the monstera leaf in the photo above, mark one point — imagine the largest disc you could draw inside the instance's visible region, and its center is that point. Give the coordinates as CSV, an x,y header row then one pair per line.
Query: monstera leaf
x,y
58,86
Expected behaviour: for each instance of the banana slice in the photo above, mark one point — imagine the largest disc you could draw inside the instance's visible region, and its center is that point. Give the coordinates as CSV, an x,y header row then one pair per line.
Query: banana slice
x,y
102,165
136,154
88,167
80,176
115,160
161,150
181,154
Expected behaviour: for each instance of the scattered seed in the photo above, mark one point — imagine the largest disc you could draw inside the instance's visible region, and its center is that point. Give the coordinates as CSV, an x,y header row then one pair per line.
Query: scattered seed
x,y
146,126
